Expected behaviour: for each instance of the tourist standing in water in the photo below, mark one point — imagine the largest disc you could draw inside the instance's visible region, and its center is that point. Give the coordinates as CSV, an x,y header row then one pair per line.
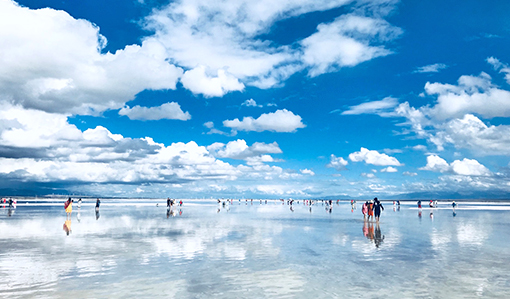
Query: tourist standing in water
x,y
364,209
371,210
377,209
419,204
69,207
98,202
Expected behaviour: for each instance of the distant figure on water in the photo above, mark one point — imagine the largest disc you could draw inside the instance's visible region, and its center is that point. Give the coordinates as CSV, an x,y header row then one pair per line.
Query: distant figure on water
x,y
454,205
68,206
419,204
98,202
79,203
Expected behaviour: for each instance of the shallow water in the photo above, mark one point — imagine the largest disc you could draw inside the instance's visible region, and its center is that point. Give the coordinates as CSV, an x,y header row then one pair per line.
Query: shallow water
x,y
203,250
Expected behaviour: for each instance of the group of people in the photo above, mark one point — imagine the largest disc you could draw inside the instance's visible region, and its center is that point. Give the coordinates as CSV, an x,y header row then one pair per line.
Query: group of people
x,y
68,206
372,209
171,202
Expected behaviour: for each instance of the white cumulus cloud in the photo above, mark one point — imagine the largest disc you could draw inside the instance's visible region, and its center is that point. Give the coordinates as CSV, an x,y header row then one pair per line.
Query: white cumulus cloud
x,y
239,149
278,121
472,94
199,81
337,163
66,72
166,111
227,35
389,169
307,171
250,103
373,157
467,167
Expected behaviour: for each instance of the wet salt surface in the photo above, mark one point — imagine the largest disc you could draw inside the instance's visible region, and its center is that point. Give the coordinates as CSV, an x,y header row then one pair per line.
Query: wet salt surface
x,y
203,250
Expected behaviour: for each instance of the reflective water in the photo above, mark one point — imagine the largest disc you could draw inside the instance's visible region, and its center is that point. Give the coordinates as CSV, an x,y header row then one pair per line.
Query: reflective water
x,y
204,250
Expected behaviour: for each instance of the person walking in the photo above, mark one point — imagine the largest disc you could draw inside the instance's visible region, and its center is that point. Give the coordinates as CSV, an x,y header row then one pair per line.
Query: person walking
x,y
371,210
377,209
69,208
364,210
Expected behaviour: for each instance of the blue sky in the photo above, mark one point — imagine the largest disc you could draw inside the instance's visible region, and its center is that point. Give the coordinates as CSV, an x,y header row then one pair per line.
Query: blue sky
x,y
258,99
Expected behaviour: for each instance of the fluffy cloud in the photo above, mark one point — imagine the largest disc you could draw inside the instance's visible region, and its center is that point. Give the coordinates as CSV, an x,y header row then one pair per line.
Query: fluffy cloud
x,y
250,103
389,169
238,149
337,163
431,68
373,157
227,36
278,121
456,117
473,94
166,111
307,171
216,85
37,147
347,41
471,133
467,167
67,72
383,107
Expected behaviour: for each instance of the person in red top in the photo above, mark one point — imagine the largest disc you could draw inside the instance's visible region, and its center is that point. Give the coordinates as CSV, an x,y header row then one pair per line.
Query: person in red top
x,y
371,210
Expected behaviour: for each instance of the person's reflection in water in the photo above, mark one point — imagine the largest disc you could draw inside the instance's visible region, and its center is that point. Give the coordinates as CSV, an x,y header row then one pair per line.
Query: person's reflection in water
x,y
67,226
78,215
419,214
97,214
10,212
370,235
454,213
368,230
378,237
365,229
180,212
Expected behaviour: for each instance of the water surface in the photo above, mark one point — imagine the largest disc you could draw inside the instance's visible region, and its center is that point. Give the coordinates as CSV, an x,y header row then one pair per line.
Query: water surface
x,y
254,250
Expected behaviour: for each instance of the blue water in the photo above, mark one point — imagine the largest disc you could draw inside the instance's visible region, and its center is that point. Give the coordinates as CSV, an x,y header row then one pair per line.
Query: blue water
x,y
202,250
